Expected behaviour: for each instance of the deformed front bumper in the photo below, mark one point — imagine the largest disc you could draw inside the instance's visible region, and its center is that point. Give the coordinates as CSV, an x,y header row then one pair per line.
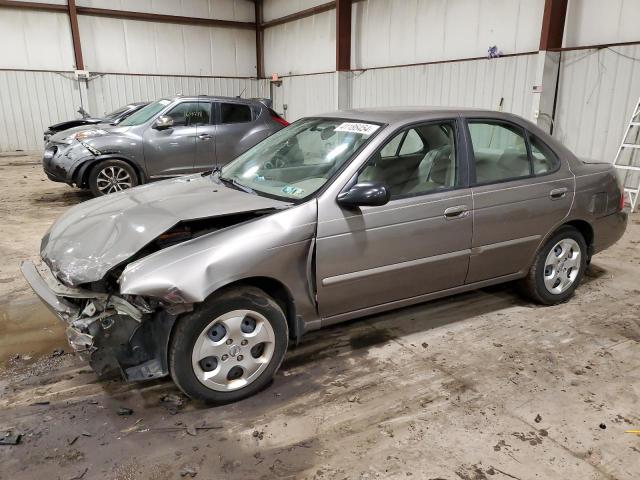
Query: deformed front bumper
x,y
80,309
106,329
56,297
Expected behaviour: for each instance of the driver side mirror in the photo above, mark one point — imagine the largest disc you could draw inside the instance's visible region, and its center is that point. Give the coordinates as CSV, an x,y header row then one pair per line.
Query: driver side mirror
x,y
163,122
365,194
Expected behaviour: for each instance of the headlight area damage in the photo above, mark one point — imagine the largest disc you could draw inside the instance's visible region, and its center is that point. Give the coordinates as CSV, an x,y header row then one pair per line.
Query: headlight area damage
x,y
112,332
126,334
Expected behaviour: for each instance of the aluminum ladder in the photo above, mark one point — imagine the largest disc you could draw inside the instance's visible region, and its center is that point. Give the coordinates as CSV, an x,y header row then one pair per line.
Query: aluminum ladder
x,y
631,143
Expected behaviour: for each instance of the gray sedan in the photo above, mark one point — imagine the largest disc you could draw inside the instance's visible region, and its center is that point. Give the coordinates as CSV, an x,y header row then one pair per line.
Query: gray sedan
x,y
209,277
167,138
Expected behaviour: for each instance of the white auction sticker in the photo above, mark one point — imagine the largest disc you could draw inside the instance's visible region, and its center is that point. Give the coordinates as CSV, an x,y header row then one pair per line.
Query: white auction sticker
x,y
363,128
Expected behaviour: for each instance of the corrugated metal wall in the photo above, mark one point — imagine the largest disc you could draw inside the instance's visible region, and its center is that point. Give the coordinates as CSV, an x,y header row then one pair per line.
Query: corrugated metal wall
x,y
594,22
108,92
303,46
392,32
305,95
31,101
35,40
131,46
598,90
476,83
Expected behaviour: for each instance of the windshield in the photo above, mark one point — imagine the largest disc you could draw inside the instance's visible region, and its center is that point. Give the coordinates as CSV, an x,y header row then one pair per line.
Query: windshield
x,y
298,160
145,114
117,112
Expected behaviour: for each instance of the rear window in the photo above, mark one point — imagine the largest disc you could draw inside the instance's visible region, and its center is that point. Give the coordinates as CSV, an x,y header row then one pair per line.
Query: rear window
x,y
234,113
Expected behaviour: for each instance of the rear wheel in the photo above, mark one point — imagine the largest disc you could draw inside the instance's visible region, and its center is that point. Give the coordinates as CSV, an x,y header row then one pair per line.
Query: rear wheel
x,y
558,267
111,176
230,347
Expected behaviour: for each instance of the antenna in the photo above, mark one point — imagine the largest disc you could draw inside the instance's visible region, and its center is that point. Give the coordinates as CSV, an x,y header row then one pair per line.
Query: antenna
x,y
242,93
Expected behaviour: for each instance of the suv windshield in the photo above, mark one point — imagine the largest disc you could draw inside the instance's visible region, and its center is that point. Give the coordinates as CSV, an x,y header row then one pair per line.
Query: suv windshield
x,y
117,113
298,160
145,114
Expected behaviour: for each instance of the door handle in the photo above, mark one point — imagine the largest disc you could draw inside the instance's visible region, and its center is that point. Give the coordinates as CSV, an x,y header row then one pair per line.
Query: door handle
x,y
204,136
557,193
458,211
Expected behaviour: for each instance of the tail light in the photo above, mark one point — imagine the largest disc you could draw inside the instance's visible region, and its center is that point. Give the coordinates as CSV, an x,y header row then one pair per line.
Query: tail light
x,y
277,118
621,204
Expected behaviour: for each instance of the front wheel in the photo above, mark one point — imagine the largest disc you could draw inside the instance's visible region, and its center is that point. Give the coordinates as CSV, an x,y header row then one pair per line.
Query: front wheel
x,y
111,176
558,267
230,347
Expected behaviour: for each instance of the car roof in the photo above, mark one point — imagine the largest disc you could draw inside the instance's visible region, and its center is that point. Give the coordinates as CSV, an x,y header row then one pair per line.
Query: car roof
x,y
409,114
248,101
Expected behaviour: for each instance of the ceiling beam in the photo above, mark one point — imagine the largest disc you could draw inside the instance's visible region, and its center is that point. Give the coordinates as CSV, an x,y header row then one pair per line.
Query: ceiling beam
x,y
75,34
161,18
553,20
43,7
129,15
343,35
325,7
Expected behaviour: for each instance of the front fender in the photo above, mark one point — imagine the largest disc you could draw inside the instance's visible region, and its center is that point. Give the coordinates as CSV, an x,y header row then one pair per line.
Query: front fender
x,y
276,246
79,174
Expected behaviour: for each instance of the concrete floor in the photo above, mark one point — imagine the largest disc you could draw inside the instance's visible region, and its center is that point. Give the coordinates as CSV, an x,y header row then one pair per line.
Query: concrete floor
x,y
481,385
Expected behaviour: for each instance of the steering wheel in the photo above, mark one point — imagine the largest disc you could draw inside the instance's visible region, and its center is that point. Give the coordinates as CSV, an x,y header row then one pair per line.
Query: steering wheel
x,y
277,162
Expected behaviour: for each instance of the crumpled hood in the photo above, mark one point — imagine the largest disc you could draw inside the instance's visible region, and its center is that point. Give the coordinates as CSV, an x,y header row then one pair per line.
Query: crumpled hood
x,y
74,123
95,236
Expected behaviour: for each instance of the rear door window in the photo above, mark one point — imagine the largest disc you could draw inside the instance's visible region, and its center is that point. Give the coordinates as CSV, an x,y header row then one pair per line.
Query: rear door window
x,y
234,113
500,151
543,159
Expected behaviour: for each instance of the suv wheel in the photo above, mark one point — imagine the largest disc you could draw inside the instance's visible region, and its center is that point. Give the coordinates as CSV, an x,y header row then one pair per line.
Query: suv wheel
x,y
230,347
558,267
111,176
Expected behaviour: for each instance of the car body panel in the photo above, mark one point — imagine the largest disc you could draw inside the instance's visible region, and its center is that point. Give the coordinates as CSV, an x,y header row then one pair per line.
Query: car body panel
x,y
275,246
233,139
334,263
95,236
378,252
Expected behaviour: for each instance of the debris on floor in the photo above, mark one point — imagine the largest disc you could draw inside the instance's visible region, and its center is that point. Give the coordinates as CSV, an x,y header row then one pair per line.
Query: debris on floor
x,y
10,438
124,411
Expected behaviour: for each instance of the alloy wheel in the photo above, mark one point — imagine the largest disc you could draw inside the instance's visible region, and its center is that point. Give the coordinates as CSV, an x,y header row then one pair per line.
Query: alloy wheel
x,y
233,350
562,266
113,179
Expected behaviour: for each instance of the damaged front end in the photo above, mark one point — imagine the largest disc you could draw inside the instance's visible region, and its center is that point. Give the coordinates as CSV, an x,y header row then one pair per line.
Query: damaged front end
x,y
115,334
86,252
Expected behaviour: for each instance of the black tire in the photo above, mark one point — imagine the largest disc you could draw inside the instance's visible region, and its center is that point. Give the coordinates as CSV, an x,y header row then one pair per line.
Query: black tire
x,y
103,168
191,325
533,285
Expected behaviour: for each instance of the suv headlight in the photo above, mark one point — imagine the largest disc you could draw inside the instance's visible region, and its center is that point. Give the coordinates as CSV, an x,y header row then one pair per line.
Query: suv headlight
x,y
84,134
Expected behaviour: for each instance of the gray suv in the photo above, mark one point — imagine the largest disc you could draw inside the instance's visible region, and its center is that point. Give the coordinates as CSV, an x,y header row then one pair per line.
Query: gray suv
x,y
167,138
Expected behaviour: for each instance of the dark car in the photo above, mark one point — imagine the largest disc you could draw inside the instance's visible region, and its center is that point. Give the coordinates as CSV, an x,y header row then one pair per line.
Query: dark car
x,y
112,118
167,138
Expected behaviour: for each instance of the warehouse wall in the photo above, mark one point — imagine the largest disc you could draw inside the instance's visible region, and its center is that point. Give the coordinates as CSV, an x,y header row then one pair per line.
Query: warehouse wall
x,y
134,60
393,32
597,87
597,93
475,83
304,46
35,40
594,22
